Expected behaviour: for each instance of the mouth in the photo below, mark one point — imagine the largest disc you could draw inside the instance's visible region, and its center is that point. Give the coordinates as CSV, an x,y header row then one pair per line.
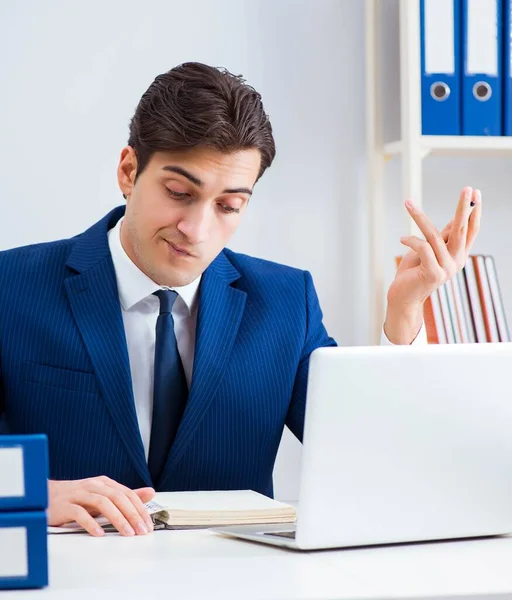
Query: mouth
x,y
178,250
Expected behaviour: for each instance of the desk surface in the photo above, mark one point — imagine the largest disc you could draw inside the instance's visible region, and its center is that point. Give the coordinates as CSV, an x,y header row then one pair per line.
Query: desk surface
x,y
201,564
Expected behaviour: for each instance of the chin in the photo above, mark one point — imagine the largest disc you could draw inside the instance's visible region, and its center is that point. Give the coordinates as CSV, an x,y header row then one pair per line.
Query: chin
x,y
177,279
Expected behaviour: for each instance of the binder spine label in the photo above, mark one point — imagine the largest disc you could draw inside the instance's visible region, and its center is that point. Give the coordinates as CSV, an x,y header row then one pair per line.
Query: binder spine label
x,y
12,478
13,552
482,40
439,37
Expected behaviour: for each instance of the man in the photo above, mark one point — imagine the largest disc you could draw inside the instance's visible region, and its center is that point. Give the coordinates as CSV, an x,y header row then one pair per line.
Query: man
x,y
152,356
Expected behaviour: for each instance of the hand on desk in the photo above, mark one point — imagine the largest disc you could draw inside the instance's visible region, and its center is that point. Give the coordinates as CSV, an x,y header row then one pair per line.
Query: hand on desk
x,y
429,263
84,499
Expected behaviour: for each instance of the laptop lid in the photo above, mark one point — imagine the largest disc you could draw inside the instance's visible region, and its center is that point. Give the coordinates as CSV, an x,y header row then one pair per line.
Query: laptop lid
x,y
406,443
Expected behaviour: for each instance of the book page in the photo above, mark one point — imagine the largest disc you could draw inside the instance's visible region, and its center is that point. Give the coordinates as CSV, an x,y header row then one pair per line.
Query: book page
x,y
241,500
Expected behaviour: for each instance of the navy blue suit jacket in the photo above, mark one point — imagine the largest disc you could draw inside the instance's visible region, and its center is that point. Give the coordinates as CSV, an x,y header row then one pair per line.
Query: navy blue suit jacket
x,y
64,367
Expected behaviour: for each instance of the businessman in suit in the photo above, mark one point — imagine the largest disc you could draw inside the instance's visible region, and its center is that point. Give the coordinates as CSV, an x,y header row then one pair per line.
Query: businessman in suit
x,y
152,356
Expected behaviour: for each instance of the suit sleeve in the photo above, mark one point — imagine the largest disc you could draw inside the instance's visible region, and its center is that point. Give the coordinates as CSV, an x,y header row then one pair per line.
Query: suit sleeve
x,y
316,337
2,391
3,425
2,397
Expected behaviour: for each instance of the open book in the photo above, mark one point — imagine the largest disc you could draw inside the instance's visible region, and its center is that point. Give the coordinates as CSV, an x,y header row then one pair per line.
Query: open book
x,y
189,510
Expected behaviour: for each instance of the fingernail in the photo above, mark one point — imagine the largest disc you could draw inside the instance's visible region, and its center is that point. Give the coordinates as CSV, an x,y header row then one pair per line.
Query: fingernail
x,y
409,203
141,528
99,531
127,530
476,198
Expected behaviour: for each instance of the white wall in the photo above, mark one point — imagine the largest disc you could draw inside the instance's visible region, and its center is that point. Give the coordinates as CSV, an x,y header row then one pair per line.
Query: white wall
x,y
76,70
73,72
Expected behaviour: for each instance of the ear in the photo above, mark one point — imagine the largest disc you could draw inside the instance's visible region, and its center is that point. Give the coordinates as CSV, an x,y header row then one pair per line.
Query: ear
x,y
126,171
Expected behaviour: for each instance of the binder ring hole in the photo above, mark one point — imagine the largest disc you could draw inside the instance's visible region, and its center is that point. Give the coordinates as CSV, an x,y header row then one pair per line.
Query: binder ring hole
x,y
439,91
482,91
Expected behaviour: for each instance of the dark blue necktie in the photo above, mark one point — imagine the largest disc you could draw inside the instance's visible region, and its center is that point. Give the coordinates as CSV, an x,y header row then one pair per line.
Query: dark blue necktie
x,y
170,387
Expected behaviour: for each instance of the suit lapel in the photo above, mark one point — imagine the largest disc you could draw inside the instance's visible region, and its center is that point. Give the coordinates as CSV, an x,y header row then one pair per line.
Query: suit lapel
x,y
219,315
94,300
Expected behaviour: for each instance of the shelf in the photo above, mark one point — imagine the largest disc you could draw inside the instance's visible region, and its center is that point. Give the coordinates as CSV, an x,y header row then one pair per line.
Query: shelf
x,y
460,145
411,147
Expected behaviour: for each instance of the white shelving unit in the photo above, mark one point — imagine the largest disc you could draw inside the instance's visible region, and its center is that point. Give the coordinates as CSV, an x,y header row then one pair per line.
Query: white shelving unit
x,y
412,147
455,145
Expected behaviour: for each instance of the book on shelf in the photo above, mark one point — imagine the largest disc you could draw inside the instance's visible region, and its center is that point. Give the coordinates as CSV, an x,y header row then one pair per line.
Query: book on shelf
x,y
433,317
466,306
448,314
497,300
484,291
474,301
204,509
469,308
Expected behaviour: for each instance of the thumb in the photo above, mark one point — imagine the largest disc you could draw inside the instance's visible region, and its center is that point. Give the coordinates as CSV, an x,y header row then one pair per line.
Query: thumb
x,y
145,494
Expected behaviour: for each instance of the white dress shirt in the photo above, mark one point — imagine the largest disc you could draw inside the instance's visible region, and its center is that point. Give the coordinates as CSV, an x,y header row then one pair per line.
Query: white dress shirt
x,y
140,311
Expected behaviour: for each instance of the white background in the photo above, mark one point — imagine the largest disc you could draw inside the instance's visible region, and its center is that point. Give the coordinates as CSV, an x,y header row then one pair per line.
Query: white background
x,y
72,74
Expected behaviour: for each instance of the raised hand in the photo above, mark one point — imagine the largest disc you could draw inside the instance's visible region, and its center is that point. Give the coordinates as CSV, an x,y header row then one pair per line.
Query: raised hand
x,y
429,263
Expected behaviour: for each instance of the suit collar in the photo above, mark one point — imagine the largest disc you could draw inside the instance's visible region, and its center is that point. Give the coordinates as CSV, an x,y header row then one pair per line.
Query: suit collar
x,y
91,246
223,269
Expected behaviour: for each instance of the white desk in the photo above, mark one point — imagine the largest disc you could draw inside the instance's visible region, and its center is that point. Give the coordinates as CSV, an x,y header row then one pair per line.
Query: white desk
x,y
202,565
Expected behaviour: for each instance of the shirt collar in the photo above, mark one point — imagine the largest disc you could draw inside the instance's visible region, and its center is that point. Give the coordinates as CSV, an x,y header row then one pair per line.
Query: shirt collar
x,y
134,285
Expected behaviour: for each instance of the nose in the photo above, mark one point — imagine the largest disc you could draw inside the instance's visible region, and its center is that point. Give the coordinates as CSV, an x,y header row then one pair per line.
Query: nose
x,y
195,223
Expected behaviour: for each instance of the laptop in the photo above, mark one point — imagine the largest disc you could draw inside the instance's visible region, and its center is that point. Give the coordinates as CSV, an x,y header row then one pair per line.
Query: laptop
x,y
402,444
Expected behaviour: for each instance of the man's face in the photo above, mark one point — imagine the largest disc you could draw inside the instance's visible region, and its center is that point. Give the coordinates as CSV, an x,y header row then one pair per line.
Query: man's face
x,y
183,209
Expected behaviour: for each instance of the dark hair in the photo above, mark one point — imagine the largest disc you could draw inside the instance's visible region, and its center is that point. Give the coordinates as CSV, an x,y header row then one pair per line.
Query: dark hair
x,y
195,105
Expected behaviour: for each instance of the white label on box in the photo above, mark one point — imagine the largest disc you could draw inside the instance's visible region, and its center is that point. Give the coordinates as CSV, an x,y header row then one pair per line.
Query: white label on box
x,y
13,552
482,42
439,37
12,473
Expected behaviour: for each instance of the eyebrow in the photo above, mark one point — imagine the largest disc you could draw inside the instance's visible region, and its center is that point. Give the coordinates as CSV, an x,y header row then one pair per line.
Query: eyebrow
x,y
196,181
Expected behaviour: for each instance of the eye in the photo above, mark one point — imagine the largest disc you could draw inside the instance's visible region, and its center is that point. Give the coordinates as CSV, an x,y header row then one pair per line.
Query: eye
x,y
177,195
229,209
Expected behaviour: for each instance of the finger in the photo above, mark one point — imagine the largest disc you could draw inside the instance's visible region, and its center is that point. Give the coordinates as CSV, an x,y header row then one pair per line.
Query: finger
x,y
138,501
446,231
474,220
135,499
124,505
457,239
106,507
85,520
432,235
145,494
427,257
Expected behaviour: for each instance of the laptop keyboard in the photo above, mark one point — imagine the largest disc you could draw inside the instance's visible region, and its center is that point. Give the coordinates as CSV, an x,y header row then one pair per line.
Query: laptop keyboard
x,y
286,534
